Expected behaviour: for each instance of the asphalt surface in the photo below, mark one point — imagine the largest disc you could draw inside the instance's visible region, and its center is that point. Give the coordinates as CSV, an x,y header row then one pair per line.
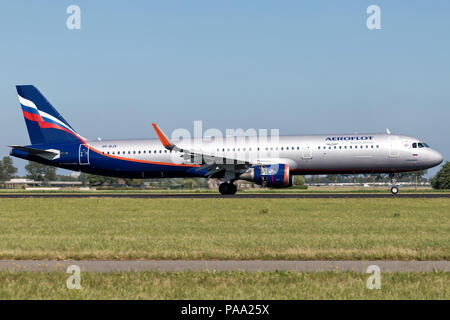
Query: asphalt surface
x,y
237,196
225,265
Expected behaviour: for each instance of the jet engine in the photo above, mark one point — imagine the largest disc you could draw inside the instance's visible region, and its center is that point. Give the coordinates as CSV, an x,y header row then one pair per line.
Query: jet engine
x,y
273,176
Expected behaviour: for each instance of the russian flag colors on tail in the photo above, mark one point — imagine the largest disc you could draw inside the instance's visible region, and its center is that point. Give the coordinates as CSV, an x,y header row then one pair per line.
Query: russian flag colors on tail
x,y
44,123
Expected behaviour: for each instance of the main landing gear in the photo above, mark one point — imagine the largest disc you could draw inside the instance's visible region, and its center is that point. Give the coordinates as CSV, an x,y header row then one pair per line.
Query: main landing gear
x,y
227,188
394,188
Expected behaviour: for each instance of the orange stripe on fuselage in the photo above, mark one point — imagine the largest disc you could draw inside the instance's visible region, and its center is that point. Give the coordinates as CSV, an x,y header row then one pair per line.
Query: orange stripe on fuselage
x,y
143,161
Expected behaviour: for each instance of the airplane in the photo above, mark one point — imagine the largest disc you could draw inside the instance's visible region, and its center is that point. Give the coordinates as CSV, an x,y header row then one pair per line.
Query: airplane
x,y
264,162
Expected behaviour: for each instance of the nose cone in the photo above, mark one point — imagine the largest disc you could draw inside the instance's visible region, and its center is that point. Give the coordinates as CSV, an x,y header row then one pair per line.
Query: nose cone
x,y
436,158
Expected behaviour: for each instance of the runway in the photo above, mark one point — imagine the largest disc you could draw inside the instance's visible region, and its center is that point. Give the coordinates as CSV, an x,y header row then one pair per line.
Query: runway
x,y
223,265
219,196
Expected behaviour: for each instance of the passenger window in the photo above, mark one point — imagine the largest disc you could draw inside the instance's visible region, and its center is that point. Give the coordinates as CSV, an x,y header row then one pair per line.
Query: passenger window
x,y
414,145
420,145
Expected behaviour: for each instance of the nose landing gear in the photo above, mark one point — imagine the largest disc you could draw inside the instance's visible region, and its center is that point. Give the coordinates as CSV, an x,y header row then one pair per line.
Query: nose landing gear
x,y
394,188
227,188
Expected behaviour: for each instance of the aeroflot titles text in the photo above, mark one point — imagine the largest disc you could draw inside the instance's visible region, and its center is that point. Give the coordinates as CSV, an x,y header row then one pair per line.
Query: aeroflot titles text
x,y
352,138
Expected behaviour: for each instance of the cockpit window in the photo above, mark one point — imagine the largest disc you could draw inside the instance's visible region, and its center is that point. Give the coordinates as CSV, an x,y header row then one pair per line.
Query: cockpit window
x,y
421,145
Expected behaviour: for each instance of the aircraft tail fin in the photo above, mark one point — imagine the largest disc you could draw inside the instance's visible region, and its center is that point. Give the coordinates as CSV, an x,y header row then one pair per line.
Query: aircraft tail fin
x,y
44,123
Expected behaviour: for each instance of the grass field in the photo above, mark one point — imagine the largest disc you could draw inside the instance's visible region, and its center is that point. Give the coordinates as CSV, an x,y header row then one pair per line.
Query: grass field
x,y
225,229
385,190
224,285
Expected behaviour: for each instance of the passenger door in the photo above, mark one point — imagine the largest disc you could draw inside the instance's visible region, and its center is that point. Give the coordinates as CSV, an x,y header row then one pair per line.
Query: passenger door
x,y
306,153
83,155
394,146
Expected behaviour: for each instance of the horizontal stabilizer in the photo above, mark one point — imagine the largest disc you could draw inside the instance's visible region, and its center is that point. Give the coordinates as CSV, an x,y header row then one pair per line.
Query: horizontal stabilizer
x,y
50,154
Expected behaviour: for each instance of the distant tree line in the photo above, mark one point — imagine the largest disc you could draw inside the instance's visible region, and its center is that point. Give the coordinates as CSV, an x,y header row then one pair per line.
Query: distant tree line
x,y
166,183
442,178
7,169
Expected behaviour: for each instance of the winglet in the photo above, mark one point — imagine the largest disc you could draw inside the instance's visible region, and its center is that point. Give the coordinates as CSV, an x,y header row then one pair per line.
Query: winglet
x,y
162,137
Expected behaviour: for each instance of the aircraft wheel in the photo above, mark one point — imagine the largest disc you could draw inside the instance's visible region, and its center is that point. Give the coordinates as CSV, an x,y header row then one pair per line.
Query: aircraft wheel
x,y
394,190
227,188
223,188
233,188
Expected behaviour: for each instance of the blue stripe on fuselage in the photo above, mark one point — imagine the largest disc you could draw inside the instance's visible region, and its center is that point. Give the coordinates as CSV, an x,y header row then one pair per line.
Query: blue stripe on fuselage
x,y
105,165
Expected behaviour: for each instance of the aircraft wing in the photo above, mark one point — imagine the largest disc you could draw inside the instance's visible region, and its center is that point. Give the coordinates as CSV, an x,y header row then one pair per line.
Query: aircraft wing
x,y
217,167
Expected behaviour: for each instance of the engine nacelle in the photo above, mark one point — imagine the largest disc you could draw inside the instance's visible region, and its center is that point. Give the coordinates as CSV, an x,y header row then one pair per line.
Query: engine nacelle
x,y
274,176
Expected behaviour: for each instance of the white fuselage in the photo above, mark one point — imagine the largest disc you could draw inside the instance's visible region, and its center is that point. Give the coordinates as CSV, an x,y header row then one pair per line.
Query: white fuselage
x,y
307,154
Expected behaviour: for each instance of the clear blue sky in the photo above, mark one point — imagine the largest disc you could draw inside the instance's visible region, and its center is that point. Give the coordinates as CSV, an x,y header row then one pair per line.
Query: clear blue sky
x,y
300,66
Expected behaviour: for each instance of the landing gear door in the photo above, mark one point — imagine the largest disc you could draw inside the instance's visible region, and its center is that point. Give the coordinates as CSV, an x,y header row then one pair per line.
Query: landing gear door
x,y
83,155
